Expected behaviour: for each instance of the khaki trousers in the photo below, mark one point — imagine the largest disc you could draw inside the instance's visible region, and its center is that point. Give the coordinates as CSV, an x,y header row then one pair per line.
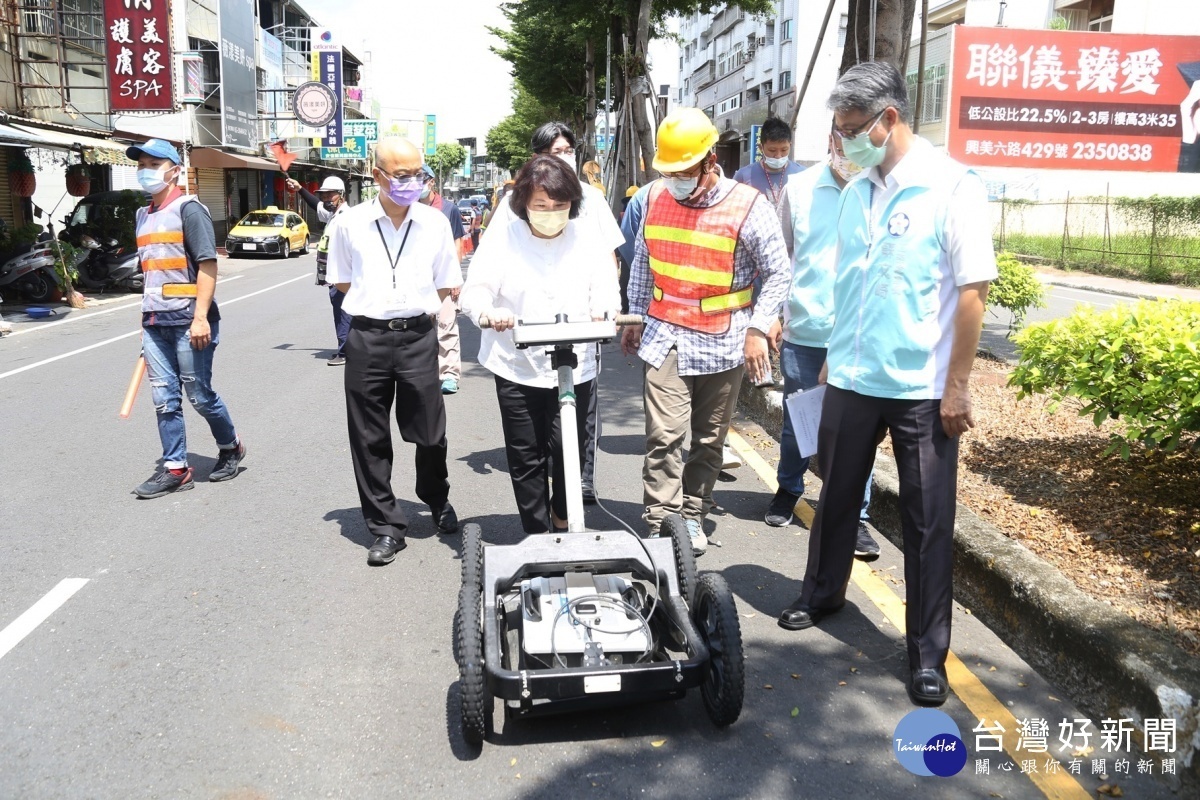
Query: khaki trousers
x,y
449,350
675,405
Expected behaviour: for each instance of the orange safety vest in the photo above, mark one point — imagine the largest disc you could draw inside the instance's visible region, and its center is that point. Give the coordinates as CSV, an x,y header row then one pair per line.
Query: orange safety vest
x,y
691,256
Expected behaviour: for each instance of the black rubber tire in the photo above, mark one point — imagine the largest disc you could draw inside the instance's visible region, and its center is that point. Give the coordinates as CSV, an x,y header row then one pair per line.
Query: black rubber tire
x,y
715,614
40,288
285,249
303,251
472,555
685,558
477,702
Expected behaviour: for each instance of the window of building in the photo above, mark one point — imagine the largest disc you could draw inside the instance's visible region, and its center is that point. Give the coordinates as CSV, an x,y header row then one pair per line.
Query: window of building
x,y
1101,24
785,81
933,101
711,111
681,63
843,26
785,30
729,104
722,64
752,95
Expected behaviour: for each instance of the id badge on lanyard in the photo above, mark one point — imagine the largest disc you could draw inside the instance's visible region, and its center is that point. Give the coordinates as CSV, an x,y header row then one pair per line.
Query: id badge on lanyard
x,y
398,296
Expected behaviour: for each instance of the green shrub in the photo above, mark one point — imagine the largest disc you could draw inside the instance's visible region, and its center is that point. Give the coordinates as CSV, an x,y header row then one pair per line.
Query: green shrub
x,y
1138,364
1017,289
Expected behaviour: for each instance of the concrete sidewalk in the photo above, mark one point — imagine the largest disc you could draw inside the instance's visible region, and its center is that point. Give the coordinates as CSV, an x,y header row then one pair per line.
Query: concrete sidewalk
x,y
1111,665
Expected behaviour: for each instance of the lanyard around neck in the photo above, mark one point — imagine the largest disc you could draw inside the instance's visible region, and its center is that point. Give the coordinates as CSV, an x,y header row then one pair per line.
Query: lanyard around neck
x,y
388,250
774,194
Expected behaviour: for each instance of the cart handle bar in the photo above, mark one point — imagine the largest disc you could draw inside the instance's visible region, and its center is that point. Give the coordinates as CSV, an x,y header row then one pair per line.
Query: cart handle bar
x,y
620,320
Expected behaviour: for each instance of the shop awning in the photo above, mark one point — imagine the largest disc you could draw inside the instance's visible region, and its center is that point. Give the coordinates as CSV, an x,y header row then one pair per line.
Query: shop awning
x,y
210,158
15,137
72,140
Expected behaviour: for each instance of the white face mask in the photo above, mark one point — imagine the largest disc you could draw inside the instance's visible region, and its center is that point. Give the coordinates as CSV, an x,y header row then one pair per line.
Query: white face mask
x,y
681,188
549,223
153,180
568,160
843,166
775,163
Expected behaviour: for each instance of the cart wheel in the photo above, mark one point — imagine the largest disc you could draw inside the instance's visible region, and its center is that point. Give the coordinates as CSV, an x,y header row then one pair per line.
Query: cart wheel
x,y
685,558
472,555
477,702
715,614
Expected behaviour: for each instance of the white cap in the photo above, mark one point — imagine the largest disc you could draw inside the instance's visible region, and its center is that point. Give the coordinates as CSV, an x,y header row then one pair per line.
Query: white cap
x,y
333,184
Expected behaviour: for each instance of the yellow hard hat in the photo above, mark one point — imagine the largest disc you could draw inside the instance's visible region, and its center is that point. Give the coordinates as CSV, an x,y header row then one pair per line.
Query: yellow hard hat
x,y
684,137
631,191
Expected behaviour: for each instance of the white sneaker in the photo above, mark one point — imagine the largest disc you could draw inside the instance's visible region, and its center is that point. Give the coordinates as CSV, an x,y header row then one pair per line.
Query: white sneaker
x,y
730,459
696,534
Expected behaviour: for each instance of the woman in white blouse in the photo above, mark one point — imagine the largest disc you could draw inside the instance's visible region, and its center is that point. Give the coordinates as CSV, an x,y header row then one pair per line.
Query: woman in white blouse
x,y
539,265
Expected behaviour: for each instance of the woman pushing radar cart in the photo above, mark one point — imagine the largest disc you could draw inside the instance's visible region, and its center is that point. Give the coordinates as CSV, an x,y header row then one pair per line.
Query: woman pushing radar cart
x,y
576,619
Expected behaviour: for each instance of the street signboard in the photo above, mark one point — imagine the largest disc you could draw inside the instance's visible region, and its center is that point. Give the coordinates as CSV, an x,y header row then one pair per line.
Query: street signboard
x,y
239,117
366,128
354,148
755,131
139,54
1046,99
430,134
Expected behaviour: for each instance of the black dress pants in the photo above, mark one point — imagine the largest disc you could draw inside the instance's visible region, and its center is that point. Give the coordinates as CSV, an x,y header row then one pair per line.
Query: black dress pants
x,y
383,366
851,426
589,423
533,446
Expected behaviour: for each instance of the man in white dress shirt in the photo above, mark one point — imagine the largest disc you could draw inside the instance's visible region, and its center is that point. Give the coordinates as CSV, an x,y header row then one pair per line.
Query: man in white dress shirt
x,y
395,260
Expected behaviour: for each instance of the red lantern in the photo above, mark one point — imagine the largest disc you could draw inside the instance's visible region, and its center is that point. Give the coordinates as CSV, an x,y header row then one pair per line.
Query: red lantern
x,y
312,186
79,180
24,184
280,185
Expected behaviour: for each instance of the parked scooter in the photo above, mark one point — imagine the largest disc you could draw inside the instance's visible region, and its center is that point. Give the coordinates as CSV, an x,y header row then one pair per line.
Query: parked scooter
x,y
107,265
30,270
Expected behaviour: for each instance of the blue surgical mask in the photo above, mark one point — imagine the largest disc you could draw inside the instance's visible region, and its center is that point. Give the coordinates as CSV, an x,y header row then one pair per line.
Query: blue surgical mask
x,y
681,188
152,180
775,163
862,151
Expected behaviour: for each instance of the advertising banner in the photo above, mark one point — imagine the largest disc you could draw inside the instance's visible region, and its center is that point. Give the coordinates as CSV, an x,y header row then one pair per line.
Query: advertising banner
x,y
273,83
327,68
354,148
139,55
1048,99
368,129
430,134
239,100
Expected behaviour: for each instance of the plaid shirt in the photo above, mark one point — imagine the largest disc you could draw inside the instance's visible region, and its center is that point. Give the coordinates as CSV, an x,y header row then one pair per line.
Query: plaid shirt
x,y
759,251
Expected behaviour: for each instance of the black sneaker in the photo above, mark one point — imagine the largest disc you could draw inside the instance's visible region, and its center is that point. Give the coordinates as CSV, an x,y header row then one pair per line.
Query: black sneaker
x,y
865,546
165,482
227,463
779,513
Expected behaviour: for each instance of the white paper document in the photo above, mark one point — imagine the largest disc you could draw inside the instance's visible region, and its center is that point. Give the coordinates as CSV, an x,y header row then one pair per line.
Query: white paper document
x,y
804,409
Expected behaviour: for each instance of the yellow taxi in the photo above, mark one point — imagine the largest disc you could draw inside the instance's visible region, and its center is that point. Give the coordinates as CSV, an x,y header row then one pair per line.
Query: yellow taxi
x,y
269,231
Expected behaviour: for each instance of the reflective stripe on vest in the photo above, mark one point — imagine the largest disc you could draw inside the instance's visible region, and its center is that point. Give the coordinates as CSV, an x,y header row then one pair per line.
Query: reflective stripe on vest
x,y
691,254
164,259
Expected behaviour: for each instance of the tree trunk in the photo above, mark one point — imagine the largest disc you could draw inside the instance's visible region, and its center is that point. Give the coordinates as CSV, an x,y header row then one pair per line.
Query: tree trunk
x,y
640,80
588,151
893,30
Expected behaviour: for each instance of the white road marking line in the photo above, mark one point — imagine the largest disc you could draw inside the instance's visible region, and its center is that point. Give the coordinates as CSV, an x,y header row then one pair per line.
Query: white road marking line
x,y
77,317
138,332
25,624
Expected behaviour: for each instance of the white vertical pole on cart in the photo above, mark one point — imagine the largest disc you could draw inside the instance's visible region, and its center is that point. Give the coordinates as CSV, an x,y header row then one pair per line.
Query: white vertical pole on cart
x,y
569,425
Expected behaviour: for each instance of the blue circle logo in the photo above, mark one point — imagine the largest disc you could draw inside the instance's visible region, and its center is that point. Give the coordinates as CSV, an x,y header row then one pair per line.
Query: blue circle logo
x,y
928,742
898,224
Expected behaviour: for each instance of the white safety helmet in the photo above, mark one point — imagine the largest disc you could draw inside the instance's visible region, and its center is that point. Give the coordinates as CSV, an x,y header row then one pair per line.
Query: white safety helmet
x,y
332,184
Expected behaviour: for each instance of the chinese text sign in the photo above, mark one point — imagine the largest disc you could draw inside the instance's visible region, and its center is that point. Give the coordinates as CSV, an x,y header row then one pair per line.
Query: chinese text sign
x,y
239,101
137,37
1073,100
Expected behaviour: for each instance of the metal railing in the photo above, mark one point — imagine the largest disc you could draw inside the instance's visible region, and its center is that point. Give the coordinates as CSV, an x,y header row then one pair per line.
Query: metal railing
x,y
1107,235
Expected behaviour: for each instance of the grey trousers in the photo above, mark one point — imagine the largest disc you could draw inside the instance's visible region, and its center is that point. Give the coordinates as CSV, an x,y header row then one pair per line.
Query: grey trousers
x,y
852,424
675,406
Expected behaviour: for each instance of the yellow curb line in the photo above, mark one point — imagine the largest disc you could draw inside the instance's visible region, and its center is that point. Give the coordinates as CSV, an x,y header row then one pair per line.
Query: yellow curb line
x,y
974,695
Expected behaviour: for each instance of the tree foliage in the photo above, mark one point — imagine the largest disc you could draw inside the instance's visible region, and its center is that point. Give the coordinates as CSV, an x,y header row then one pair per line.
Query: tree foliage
x,y
447,157
508,141
1017,289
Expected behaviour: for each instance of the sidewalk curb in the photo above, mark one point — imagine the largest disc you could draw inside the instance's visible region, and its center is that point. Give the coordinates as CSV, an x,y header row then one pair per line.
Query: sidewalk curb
x,y
1110,664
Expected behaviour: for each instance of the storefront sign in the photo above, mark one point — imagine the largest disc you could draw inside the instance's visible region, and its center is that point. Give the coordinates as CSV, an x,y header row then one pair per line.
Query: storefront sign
x,y
192,93
314,104
1049,99
239,102
366,128
354,149
327,69
139,55
430,134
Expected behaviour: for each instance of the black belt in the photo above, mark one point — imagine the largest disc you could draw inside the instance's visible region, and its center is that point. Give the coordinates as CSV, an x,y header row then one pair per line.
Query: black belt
x,y
400,324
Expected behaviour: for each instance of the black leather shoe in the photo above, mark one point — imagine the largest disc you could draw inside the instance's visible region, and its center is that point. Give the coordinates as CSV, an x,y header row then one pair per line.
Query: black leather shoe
x,y
798,616
384,550
928,687
445,519
589,494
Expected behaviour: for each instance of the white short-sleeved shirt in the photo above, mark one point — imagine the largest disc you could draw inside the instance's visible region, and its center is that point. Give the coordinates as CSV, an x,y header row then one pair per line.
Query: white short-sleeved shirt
x,y
364,243
537,279
594,211
907,242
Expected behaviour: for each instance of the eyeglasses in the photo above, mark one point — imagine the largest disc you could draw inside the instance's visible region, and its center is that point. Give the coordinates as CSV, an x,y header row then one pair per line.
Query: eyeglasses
x,y
566,151
416,176
691,172
866,128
